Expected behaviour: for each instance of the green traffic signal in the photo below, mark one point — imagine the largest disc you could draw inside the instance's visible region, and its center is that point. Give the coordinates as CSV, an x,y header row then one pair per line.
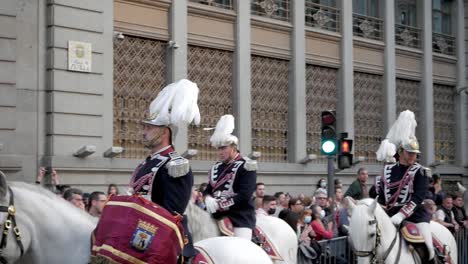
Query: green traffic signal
x,y
328,147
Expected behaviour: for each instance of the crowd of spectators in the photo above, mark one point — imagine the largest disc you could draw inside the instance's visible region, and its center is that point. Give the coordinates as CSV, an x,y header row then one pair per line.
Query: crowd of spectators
x,y
313,218
93,203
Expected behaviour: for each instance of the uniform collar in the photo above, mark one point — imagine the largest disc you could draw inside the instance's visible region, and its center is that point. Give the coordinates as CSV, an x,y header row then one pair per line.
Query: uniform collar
x,y
163,151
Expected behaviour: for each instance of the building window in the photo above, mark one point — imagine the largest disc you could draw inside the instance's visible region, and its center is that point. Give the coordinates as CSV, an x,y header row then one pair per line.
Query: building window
x,y
406,13
441,16
442,39
226,4
368,8
407,32
322,14
366,21
277,9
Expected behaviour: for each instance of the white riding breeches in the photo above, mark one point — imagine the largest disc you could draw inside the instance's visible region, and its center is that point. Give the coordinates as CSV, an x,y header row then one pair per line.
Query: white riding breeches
x,y
243,232
425,230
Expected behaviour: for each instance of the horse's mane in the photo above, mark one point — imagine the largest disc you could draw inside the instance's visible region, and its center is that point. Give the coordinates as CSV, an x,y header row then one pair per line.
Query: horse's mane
x,y
39,198
200,222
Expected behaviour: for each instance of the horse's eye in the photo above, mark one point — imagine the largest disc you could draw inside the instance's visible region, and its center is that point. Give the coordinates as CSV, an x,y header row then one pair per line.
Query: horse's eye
x,y
372,235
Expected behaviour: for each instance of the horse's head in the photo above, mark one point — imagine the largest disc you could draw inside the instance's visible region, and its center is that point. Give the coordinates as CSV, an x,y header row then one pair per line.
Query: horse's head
x,y
11,248
367,221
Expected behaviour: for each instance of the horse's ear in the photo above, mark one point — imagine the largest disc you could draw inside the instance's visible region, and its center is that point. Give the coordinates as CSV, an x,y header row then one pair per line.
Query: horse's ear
x,y
373,206
3,185
461,188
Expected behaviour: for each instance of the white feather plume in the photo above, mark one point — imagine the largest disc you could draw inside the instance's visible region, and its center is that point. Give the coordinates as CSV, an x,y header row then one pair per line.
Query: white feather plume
x,y
386,151
222,135
176,104
401,131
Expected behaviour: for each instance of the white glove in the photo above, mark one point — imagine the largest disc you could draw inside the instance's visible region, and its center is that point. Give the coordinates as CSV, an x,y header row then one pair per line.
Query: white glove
x,y
211,204
397,219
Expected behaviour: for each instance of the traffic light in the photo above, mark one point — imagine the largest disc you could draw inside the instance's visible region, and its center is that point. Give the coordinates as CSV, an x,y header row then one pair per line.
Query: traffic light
x,y
345,158
328,133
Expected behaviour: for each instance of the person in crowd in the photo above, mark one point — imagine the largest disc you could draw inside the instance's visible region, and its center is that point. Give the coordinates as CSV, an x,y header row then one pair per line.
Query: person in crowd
x,y
259,193
338,198
197,197
321,200
307,201
61,189
431,208
54,178
305,232
268,206
342,218
338,183
358,189
317,225
435,189
458,210
282,202
445,215
232,180
322,185
86,196
291,214
165,177
112,189
97,200
75,197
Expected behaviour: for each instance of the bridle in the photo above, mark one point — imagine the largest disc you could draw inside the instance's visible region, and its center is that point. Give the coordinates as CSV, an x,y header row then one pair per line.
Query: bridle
x,y
10,223
373,253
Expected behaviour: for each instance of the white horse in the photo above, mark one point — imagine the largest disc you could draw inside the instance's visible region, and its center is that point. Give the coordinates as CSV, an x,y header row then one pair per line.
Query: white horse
x,y
232,250
283,238
371,230
51,229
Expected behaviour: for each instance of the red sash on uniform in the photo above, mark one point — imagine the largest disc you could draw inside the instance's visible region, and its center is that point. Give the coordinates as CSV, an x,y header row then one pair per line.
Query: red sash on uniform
x,y
134,230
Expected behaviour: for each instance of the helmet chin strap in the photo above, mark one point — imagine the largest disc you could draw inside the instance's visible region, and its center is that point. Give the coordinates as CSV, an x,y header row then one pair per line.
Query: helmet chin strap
x,y
156,140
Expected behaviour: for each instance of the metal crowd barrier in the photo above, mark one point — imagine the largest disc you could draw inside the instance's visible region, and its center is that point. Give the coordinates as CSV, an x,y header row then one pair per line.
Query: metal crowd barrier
x,y
338,251
462,245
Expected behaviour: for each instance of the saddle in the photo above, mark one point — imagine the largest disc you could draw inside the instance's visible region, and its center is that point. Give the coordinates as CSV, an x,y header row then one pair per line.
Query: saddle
x,y
410,232
258,237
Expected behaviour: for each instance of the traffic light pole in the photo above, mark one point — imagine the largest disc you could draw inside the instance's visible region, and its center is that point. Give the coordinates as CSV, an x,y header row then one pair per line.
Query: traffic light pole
x,y
331,173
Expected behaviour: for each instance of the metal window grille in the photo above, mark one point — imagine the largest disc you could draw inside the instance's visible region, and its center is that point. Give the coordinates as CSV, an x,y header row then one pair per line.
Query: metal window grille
x,y
444,44
225,4
276,9
368,114
270,108
368,27
139,74
407,97
444,123
322,16
211,69
321,92
408,36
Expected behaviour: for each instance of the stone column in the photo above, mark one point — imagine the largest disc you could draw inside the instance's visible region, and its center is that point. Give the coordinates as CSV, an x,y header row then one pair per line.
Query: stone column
x,y
297,87
345,106
177,58
389,66
461,98
242,80
426,94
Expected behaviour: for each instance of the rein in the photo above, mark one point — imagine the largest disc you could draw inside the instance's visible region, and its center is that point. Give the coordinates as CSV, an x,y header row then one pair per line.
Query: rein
x,y
10,222
373,252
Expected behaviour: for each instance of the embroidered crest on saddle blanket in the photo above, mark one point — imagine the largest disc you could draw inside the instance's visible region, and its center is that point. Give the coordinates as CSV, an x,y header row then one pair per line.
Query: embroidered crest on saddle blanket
x,y
143,235
399,193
